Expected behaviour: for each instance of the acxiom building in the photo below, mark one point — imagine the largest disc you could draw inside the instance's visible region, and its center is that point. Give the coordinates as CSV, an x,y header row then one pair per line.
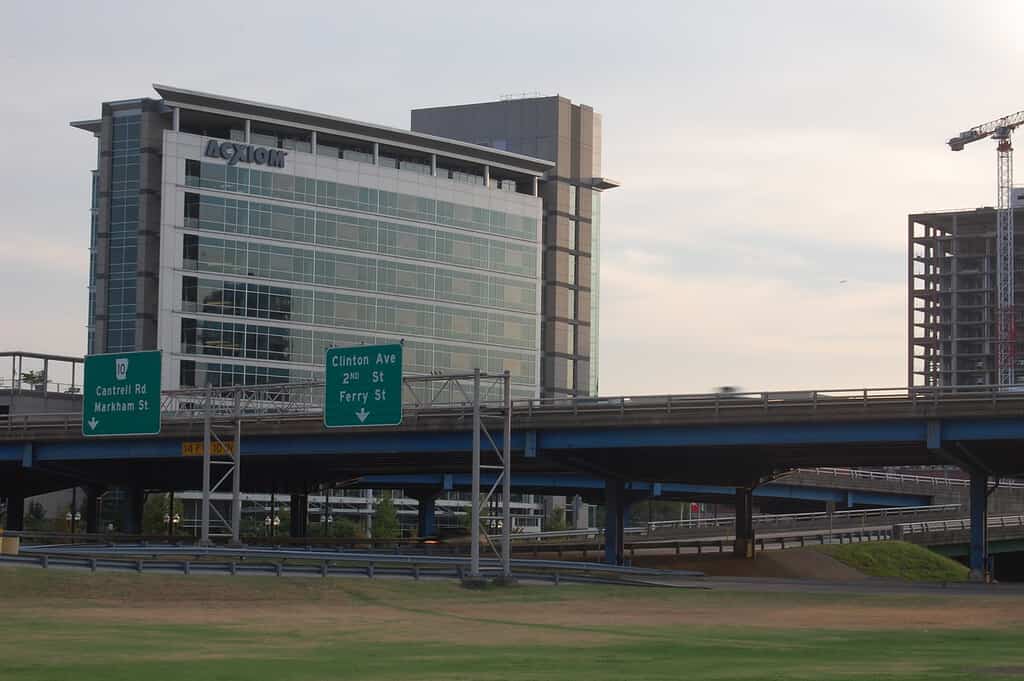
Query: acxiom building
x,y
245,239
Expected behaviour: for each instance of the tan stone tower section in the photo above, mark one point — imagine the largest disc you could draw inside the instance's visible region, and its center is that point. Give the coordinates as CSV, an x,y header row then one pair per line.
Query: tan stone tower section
x,y
568,134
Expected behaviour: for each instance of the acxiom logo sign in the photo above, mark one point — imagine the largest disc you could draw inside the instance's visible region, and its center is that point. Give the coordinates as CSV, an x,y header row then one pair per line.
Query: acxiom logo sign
x,y
246,153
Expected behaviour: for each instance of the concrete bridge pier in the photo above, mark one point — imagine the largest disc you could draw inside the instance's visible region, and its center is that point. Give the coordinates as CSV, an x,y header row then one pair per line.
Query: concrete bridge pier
x,y
426,513
978,561
15,520
131,518
299,515
91,512
616,505
743,547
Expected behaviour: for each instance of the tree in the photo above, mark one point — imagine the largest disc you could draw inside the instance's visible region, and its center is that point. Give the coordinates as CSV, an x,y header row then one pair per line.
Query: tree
x,y
35,378
555,520
346,528
35,519
385,520
154,511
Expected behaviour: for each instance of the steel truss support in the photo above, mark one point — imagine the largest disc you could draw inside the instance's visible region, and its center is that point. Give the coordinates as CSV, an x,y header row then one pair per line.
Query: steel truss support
x,y
482,526
233,447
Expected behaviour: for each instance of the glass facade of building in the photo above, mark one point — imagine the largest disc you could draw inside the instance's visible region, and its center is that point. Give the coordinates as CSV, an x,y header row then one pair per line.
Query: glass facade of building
x,y
124,227
277,267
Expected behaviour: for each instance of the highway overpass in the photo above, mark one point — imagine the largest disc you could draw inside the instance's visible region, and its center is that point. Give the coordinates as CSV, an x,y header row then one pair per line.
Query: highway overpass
x,y
728,441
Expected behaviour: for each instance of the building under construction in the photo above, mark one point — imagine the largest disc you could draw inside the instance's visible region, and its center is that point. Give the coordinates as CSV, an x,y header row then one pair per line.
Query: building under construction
x,y
952,297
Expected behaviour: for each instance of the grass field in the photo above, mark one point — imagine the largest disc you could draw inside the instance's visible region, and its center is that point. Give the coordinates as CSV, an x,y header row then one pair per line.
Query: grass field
x,y
898,559
59,625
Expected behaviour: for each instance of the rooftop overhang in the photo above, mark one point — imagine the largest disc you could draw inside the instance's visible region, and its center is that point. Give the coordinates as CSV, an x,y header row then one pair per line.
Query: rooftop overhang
x,y
92,126
603,183
189,99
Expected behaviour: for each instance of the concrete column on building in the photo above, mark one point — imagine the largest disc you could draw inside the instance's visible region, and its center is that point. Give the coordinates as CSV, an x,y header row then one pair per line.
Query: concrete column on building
x,y
744,544
487,176
176,119
535,189
426,513
614,521
299,515
248,131
312,142
433,165
376,153
92,509
979,526
15,521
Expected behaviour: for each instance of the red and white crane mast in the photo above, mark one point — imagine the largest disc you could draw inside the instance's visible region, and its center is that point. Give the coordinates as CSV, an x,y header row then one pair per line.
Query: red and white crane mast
x,y
1006,327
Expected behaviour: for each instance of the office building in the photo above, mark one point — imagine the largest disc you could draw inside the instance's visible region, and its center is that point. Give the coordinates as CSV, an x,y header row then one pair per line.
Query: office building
x,y
244,239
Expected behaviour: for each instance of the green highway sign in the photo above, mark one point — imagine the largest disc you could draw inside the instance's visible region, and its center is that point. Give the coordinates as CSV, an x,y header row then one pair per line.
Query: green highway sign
x,y
121,394
363,386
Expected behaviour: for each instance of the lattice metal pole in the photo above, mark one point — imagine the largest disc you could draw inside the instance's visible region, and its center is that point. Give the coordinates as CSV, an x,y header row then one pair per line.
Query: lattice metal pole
x,y
506,486
474,532
236,477
1005,313
204,531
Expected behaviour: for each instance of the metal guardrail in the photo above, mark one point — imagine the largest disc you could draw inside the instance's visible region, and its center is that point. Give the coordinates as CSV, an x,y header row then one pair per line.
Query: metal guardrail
x,y
860,474
189,560
715,544
302,400
959,524
883,514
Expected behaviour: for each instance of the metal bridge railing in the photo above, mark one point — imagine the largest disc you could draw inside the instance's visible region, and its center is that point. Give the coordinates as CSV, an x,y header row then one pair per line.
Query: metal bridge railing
x,y
764,521
958,524
861,474
431,394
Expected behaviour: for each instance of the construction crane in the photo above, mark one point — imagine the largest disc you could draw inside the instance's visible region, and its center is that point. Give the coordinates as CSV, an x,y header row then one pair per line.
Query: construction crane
x,y
1006,327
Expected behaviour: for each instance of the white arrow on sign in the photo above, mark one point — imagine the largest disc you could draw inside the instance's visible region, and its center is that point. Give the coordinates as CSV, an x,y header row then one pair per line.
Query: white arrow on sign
x,y
93,423
362,414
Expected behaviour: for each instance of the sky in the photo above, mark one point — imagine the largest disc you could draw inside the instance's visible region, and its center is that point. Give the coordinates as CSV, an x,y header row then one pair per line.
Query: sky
x,y
769,153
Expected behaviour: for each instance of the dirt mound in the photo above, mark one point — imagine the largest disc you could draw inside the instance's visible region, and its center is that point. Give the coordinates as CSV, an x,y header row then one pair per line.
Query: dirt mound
x,y
788,564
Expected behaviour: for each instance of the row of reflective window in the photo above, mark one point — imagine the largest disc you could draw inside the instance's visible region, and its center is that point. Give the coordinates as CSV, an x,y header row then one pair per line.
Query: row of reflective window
x,y
337,195
366,313
259,342
193,373
233,216
226,256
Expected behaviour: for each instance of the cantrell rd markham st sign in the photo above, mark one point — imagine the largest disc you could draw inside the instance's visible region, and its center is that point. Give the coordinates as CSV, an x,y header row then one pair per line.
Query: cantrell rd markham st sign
x,y
121,394
235,153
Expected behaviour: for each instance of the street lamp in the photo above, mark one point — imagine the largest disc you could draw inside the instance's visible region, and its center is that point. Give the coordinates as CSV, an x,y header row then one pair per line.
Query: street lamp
x,y
71,519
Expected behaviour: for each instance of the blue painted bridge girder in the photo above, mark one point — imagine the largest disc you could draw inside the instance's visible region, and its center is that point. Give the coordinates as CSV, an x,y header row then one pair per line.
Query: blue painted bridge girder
x,y
580,484
926,433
